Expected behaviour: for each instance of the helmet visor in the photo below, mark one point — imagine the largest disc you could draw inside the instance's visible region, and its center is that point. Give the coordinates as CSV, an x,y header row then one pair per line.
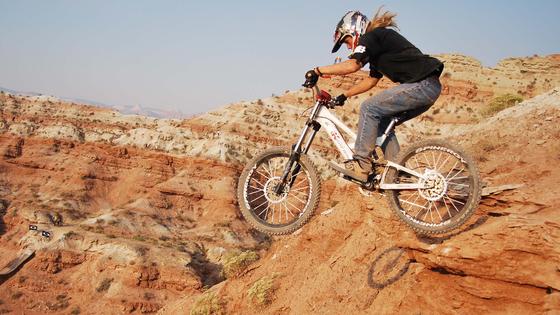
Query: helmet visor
x,y
338,38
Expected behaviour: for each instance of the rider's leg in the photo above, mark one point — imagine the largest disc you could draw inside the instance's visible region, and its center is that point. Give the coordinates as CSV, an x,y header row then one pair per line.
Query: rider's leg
x,y
391,102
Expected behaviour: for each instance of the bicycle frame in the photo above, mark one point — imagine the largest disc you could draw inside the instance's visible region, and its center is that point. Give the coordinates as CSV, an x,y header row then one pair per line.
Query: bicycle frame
x,y
322,117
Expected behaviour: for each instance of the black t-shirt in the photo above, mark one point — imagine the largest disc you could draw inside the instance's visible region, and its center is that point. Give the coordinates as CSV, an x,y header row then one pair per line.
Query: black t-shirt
x,y
392,55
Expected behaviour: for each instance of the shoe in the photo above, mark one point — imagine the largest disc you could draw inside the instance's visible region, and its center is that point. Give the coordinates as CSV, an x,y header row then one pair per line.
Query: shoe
x,y
356,169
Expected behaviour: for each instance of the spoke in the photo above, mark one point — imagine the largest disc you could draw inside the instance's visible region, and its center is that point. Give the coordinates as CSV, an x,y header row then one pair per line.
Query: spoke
x,y
448,212
300,193
414,201
438,159
433,159
425,215
290,211
417,163
293,206
299,189
256,188
425,158
412,194
299,183
258,197
262,204
459,172
268,170
460,177
431,213
451,202
264,176
304,202
254,192
413,204
272,169
418,212
257,182
265,209
455,200
445,161
451,170
437,211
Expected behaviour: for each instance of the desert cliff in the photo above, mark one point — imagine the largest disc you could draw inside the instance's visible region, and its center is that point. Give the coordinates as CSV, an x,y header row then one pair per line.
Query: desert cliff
x,y
143,218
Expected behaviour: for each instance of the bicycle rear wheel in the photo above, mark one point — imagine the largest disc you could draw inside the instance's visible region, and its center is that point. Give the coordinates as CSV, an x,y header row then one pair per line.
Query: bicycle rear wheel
x,y
454,182
273,213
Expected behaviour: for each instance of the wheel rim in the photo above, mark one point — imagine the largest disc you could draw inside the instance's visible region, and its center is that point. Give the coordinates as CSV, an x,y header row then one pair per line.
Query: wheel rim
x,y
449,181
276,209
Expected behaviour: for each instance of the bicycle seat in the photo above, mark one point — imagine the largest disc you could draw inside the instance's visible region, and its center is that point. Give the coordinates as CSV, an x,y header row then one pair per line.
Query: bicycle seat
x,y
409,114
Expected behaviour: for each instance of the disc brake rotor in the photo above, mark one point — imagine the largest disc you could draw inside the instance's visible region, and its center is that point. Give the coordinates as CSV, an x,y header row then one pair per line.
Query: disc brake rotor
x,y
270,194
436,183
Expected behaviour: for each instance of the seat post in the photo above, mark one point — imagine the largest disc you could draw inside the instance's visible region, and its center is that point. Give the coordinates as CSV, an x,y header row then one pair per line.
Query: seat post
x,y
390,128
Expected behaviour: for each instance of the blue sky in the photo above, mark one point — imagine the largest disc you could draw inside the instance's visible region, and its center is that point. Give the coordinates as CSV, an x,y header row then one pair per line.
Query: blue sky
x,y
198,56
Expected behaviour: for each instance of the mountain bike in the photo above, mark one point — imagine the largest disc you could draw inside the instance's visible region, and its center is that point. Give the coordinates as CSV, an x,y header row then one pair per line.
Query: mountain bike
x,y
433,185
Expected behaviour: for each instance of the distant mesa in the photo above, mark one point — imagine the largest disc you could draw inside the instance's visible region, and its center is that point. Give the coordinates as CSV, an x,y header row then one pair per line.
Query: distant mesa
x,y
124,109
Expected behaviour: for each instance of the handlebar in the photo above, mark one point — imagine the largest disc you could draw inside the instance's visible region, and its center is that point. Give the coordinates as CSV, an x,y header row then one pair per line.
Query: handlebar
x,y
321,95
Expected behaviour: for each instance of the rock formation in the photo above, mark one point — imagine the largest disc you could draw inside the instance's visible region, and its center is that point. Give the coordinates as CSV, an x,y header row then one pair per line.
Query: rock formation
x,y
143,218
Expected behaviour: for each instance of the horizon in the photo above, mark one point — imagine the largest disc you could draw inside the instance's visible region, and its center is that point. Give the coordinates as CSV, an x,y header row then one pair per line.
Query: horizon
x,y
175,56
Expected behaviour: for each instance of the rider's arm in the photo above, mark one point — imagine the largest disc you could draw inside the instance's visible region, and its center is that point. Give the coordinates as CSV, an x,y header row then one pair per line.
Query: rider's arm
x,y
363,86
342,68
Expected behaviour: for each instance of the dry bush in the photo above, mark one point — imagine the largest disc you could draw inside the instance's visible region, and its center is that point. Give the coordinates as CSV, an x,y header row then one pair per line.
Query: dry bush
x,y
207,304
236,262
261,293
500,103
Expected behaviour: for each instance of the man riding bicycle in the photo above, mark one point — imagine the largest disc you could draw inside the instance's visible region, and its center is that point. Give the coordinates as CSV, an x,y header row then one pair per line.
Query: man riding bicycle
x,y
388,54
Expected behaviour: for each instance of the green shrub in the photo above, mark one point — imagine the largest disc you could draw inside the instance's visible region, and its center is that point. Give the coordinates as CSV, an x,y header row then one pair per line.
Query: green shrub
x,y
261,292
500,103
236,262
207,304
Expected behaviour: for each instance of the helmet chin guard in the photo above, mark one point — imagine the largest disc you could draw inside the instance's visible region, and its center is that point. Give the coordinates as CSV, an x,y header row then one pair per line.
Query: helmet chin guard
x,y
352,24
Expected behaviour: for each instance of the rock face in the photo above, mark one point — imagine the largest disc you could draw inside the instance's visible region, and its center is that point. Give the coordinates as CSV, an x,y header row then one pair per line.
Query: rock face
x,y
359,258
142,211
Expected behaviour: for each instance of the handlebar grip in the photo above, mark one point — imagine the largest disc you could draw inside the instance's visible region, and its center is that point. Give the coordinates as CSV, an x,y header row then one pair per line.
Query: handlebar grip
x,y
308,84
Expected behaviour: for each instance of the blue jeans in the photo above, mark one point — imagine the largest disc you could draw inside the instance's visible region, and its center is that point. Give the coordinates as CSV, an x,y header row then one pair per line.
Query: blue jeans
x,y
376,113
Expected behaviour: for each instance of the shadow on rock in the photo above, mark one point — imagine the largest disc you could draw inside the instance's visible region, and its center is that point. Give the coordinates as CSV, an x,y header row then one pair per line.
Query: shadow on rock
x,y
440,239
14,266
4,204
209,273
388,267
264,241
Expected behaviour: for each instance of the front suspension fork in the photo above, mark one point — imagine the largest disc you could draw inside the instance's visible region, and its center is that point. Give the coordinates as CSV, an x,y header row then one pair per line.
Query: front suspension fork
x,y
289,175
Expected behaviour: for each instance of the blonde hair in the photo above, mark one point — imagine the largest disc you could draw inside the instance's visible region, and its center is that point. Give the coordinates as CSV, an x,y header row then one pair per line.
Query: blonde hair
x,y
382,19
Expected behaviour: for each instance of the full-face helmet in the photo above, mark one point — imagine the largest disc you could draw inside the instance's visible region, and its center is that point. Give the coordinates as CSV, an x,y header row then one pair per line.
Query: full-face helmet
x,y
352,24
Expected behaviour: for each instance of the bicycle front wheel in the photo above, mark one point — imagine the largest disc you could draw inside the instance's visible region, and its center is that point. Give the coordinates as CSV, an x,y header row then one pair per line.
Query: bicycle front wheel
x,y
273,213
453,182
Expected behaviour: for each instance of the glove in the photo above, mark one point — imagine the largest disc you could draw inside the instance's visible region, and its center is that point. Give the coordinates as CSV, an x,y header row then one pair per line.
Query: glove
x,y
311,78
339,100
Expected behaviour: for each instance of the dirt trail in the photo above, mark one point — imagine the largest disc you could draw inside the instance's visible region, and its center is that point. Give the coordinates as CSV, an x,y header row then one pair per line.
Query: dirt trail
x,y
358,258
